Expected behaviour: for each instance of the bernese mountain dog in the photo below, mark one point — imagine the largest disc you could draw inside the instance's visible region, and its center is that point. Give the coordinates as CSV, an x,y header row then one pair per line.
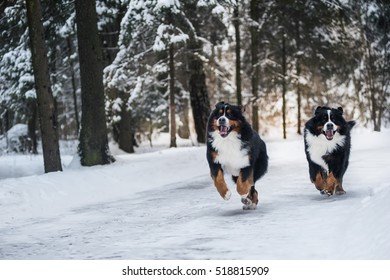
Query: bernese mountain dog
x,y
327,146
234,147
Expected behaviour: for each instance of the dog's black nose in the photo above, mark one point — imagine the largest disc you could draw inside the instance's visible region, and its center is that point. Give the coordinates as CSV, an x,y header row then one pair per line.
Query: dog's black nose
x,y
329,126
222,121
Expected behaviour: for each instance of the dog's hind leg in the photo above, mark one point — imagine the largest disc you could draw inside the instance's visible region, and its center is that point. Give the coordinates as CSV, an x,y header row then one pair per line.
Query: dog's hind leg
x,y
339,187
333,185
246,188
250,202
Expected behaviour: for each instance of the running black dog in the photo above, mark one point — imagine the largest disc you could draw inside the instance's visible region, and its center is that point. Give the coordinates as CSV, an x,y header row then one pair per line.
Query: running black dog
x,y
234,147
327,146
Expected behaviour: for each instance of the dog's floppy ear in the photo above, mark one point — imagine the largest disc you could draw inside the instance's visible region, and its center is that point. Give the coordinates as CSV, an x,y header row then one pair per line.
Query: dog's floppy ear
x,y
351,124
317,110
340,109
219,104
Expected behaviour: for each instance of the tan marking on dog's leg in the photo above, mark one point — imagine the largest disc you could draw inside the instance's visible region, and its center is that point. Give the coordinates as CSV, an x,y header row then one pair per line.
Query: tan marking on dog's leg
x,y
331,183
319,182
220,184
254,196
243,187
339,187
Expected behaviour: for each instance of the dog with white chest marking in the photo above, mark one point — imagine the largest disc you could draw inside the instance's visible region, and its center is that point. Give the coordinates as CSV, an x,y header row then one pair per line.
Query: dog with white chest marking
x,y
327,146
235,148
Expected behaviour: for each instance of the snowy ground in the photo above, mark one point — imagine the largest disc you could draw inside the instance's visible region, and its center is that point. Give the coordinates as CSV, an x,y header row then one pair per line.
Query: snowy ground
x,y
162,205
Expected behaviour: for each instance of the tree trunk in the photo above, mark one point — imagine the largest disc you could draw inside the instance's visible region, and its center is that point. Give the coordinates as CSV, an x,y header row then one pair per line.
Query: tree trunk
x,y
31,125
46,107
74,88
172,105
199,97
284,73
93,146
299,103
298,66
236,21
184,128
126,135
255,13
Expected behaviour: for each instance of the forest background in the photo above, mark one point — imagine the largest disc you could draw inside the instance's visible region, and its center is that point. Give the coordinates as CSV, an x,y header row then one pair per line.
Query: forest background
x,y
164,64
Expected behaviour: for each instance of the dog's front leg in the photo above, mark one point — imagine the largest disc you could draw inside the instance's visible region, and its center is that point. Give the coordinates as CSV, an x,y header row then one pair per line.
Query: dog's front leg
x,y
220,184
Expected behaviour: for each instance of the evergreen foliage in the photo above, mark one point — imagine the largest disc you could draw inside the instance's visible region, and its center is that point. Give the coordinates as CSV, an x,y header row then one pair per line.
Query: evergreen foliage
x,y
336,53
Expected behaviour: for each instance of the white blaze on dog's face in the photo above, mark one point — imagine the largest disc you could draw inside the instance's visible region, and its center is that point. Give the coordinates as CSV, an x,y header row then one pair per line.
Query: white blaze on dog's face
x,y
329,127
223,125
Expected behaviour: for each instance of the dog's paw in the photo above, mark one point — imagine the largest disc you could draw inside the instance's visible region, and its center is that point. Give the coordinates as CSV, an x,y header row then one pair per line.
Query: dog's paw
x,y
227,195
326,192
340,192
251,206
246,201
248,204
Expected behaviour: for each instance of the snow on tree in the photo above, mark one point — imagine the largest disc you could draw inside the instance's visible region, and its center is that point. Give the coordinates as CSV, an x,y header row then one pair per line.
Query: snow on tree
x,y
336,53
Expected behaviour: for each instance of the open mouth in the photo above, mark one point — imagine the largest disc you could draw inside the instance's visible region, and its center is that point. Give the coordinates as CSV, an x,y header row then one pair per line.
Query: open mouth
x,y
224,130
329,134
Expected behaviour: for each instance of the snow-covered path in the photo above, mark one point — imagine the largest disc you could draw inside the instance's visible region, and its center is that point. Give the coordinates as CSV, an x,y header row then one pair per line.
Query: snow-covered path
x,y
186,219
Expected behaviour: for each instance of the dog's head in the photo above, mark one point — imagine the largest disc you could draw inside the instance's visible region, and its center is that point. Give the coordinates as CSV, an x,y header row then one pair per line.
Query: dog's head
x,y
226,118
329,121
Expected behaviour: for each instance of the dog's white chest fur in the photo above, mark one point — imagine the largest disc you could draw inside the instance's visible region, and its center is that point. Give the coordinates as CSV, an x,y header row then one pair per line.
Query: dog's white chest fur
x,y
230,153
318,146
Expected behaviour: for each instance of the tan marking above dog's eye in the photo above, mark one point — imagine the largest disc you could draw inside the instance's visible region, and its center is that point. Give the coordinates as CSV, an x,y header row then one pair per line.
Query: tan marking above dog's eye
x,y
220,111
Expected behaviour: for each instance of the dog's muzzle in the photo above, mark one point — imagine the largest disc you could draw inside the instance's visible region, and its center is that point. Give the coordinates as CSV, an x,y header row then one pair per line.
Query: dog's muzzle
x,y
329,130
223,126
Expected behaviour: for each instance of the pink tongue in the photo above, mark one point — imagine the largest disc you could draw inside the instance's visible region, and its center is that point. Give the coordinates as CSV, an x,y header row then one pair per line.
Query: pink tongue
x,y
223,130
329,134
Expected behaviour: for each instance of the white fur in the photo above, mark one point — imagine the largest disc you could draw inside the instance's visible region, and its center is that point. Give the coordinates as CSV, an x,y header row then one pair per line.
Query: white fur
x,y
227,195
230,153
318,146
